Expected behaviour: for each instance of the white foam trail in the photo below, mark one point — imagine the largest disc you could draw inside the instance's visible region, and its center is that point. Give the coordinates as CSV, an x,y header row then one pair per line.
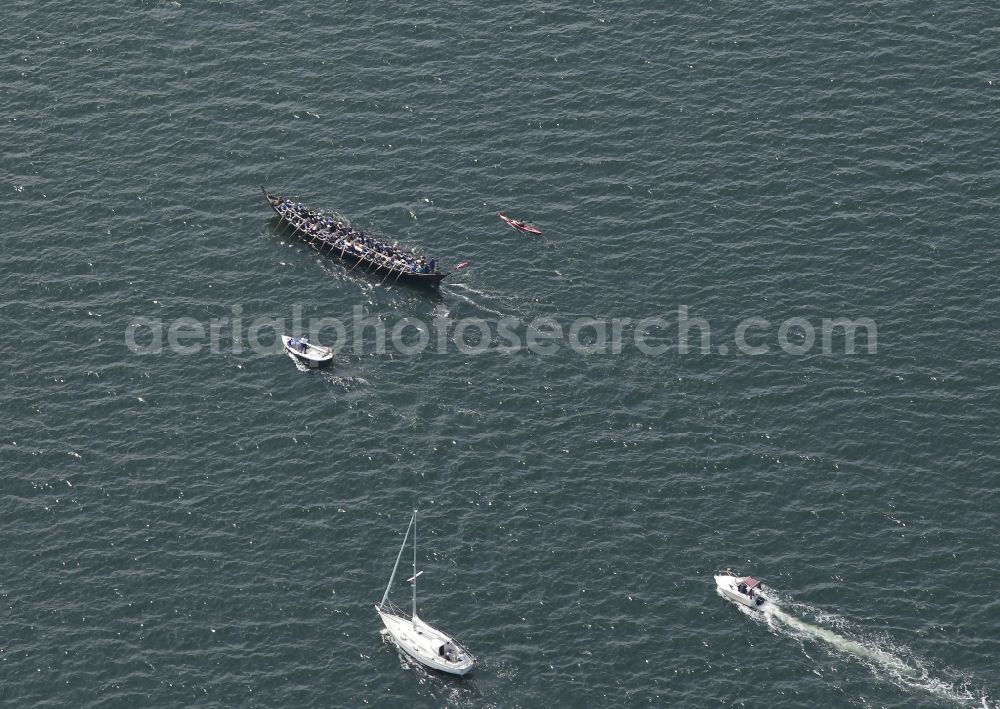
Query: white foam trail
x,y
839,642
299,364
884,662
457,288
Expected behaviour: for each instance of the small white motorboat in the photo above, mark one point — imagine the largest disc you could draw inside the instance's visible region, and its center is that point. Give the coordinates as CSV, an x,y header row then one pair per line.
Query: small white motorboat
x,y
745,590
425,644
301,349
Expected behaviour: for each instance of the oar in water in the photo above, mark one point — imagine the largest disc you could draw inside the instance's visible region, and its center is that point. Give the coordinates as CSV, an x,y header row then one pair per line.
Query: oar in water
x,y
335,235
401,272
333,239
297,225
347,242
316,235
354,249
374,262
358,262
376,259
328,242
292,214
387,276
328,231
284,221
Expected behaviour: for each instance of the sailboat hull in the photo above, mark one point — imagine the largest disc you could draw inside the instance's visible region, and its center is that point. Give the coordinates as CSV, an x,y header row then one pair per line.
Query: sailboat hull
x,y
423,643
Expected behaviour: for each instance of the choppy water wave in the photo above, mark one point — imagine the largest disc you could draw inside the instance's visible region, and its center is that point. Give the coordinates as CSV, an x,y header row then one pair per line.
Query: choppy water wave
x,y
213,529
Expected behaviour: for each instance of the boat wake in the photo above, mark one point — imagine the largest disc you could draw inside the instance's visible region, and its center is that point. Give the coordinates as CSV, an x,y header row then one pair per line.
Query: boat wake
x,y
459,290
892,663
299,364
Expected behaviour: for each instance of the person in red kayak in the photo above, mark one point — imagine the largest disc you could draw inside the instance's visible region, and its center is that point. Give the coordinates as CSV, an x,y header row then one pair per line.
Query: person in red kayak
x,y
518,224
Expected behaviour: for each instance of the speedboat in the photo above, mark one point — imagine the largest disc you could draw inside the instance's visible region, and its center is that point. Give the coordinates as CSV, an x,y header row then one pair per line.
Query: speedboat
x,y
745,590
300,348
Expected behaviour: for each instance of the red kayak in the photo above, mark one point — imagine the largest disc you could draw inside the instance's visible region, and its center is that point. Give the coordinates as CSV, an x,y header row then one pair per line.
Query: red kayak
x,y
520,226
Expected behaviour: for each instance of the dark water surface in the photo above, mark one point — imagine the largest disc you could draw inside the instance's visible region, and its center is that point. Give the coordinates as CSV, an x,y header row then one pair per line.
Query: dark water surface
x,y
212,529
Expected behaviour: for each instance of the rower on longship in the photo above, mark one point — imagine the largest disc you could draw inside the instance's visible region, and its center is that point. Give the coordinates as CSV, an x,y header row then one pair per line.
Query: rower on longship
x,y
354,246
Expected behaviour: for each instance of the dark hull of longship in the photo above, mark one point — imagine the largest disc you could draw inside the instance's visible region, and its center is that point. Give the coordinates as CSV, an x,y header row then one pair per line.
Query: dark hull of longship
x,y
357,262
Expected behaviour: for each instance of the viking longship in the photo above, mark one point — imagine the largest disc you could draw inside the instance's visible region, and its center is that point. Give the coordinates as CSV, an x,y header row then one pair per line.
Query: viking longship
x,y
361,251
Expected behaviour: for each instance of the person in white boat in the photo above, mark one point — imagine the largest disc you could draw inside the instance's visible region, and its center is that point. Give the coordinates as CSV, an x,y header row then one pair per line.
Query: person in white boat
x,y
751,588
449,652
303,344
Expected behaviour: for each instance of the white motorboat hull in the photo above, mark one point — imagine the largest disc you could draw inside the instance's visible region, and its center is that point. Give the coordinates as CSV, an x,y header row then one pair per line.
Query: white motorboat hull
x,y
422,642
313,356
727,586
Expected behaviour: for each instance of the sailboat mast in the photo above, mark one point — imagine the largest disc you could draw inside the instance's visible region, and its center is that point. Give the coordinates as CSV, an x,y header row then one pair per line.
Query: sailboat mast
x,y
413,616
400,555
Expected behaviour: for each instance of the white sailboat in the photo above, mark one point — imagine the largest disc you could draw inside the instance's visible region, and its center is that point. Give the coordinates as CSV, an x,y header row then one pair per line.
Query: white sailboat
x,y
425,644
